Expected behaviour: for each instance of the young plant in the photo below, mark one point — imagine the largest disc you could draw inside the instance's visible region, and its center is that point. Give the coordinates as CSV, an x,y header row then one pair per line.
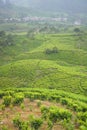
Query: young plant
x,y
39,103
18,99
7,100
36,123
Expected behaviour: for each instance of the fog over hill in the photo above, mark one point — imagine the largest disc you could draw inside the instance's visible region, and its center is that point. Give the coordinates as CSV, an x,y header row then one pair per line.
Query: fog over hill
x,y
19,8
75,6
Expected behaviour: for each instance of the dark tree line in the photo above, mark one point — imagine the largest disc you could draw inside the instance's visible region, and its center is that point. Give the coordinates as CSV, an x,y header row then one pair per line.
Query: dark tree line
x,y
50,51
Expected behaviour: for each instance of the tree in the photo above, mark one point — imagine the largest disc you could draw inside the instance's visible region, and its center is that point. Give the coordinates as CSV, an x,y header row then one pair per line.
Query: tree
x,y
50,51
77,30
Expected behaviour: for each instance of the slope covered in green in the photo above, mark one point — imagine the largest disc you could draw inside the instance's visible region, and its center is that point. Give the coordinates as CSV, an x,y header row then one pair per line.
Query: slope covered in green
x,y
27,63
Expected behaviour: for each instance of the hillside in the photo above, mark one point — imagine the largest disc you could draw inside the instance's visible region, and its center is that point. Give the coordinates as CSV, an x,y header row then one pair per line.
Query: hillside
x,y
43,76
28,64
43,65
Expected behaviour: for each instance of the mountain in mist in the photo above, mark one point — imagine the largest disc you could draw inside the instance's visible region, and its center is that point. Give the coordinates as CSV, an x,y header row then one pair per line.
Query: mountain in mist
x,y
75,6
11,8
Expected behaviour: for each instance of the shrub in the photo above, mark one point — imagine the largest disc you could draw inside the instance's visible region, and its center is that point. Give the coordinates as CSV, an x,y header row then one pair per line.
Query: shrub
x,y
50,124
83,127
18,99
54,115
75,107
64,114
44,111
38,103
59,114
7,100
36,123
64,101
16,121
2,107
82,116
22,106
68,125
21,125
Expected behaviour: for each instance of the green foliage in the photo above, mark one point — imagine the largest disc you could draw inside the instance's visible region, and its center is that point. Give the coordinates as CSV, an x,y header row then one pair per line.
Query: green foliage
x,y
4,128
64,114
18,98
77,30
64,101
21,125
36,123
49,51
83,128
58,75
50,124
82,116
54,115
2,107
39,103
16,121
7,100
22,106
65,70
59,114
68,125
44,111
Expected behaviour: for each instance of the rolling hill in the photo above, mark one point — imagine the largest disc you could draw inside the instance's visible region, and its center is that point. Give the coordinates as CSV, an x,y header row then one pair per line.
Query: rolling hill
x,y
26,64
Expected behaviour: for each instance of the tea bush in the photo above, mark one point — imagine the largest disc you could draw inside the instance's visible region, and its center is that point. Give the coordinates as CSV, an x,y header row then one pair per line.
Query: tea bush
x,y
18,98
36,123
7,100
21,125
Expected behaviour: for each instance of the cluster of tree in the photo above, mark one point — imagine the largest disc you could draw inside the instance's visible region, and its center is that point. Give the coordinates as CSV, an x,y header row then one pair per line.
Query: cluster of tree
x,y
50,51
6,40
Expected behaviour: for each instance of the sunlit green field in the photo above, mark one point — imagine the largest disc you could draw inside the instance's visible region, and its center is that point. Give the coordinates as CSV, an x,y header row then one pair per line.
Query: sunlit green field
x,y
26,63
33,74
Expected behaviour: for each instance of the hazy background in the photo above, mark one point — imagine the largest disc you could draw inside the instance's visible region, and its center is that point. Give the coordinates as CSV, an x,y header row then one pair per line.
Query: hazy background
x,y
75,6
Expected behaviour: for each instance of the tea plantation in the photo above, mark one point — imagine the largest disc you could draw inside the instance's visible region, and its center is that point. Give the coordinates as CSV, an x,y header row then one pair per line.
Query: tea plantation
x,y
43,82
